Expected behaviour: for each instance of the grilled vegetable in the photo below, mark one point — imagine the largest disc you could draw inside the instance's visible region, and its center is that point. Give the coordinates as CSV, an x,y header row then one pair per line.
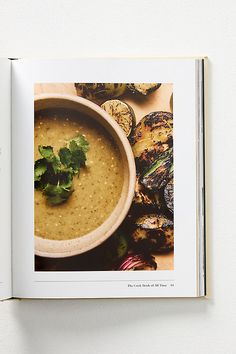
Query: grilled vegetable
x,y
153,233
122,113
169,195
143,89
159,173
143,197
138,262
158,195
168,245
147,157
152,135
116,247
100,91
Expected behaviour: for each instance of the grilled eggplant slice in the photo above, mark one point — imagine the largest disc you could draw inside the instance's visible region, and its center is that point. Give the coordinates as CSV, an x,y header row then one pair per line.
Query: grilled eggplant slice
x,y
154,130
122,113
159,173
153,233
169,195
100,91
143,89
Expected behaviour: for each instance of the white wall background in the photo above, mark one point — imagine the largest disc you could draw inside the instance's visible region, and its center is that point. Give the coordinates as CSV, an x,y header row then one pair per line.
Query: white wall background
x,y
73,28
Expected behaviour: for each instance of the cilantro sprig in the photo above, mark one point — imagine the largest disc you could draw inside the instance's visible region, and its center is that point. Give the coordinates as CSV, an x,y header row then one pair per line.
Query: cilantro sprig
x,y
53,174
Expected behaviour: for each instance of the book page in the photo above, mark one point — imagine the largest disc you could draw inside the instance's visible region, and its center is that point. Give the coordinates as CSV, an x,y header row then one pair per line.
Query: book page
x,y
104,178
5,178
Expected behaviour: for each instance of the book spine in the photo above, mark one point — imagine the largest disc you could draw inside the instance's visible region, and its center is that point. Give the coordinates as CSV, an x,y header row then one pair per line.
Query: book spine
x,y
201,214
5,179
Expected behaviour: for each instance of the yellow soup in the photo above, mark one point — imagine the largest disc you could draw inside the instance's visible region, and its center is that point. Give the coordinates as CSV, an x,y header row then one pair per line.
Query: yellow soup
x,y
97,189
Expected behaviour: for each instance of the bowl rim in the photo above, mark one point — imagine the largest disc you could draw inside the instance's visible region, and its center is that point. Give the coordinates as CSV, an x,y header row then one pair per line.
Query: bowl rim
x,y
66,248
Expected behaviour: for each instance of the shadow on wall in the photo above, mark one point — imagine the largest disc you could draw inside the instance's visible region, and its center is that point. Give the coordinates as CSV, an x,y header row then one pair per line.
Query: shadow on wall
x,y
44,323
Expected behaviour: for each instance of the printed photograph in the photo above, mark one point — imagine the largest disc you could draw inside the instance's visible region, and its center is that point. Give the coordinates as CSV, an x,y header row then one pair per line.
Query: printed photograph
x,y
103,176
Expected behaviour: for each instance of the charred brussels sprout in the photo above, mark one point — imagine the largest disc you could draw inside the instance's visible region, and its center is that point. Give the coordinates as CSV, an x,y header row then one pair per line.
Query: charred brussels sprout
x,y
169,195
100,91
159,173
153,233
138,262
122,113
142,89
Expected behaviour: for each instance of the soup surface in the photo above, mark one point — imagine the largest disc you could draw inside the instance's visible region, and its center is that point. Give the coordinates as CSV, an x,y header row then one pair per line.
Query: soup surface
x,y
97,189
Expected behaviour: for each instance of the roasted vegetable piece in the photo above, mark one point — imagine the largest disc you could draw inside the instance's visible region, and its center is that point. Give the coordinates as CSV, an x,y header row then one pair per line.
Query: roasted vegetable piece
x,y
154,130
100,90
138,262
148,156
159,173
168,245
122,113
116,247
143,89
158,195
143,197
153,233
169,195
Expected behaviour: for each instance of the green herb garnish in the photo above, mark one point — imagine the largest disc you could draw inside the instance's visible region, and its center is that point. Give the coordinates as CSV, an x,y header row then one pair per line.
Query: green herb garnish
x,y
53,174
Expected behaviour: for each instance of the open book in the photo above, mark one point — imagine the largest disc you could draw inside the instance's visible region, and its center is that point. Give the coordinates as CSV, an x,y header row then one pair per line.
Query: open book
x,y
102,178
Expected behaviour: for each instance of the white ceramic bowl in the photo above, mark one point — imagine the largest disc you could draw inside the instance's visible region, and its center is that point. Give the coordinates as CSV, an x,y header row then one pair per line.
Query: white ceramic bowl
x,y
66,248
